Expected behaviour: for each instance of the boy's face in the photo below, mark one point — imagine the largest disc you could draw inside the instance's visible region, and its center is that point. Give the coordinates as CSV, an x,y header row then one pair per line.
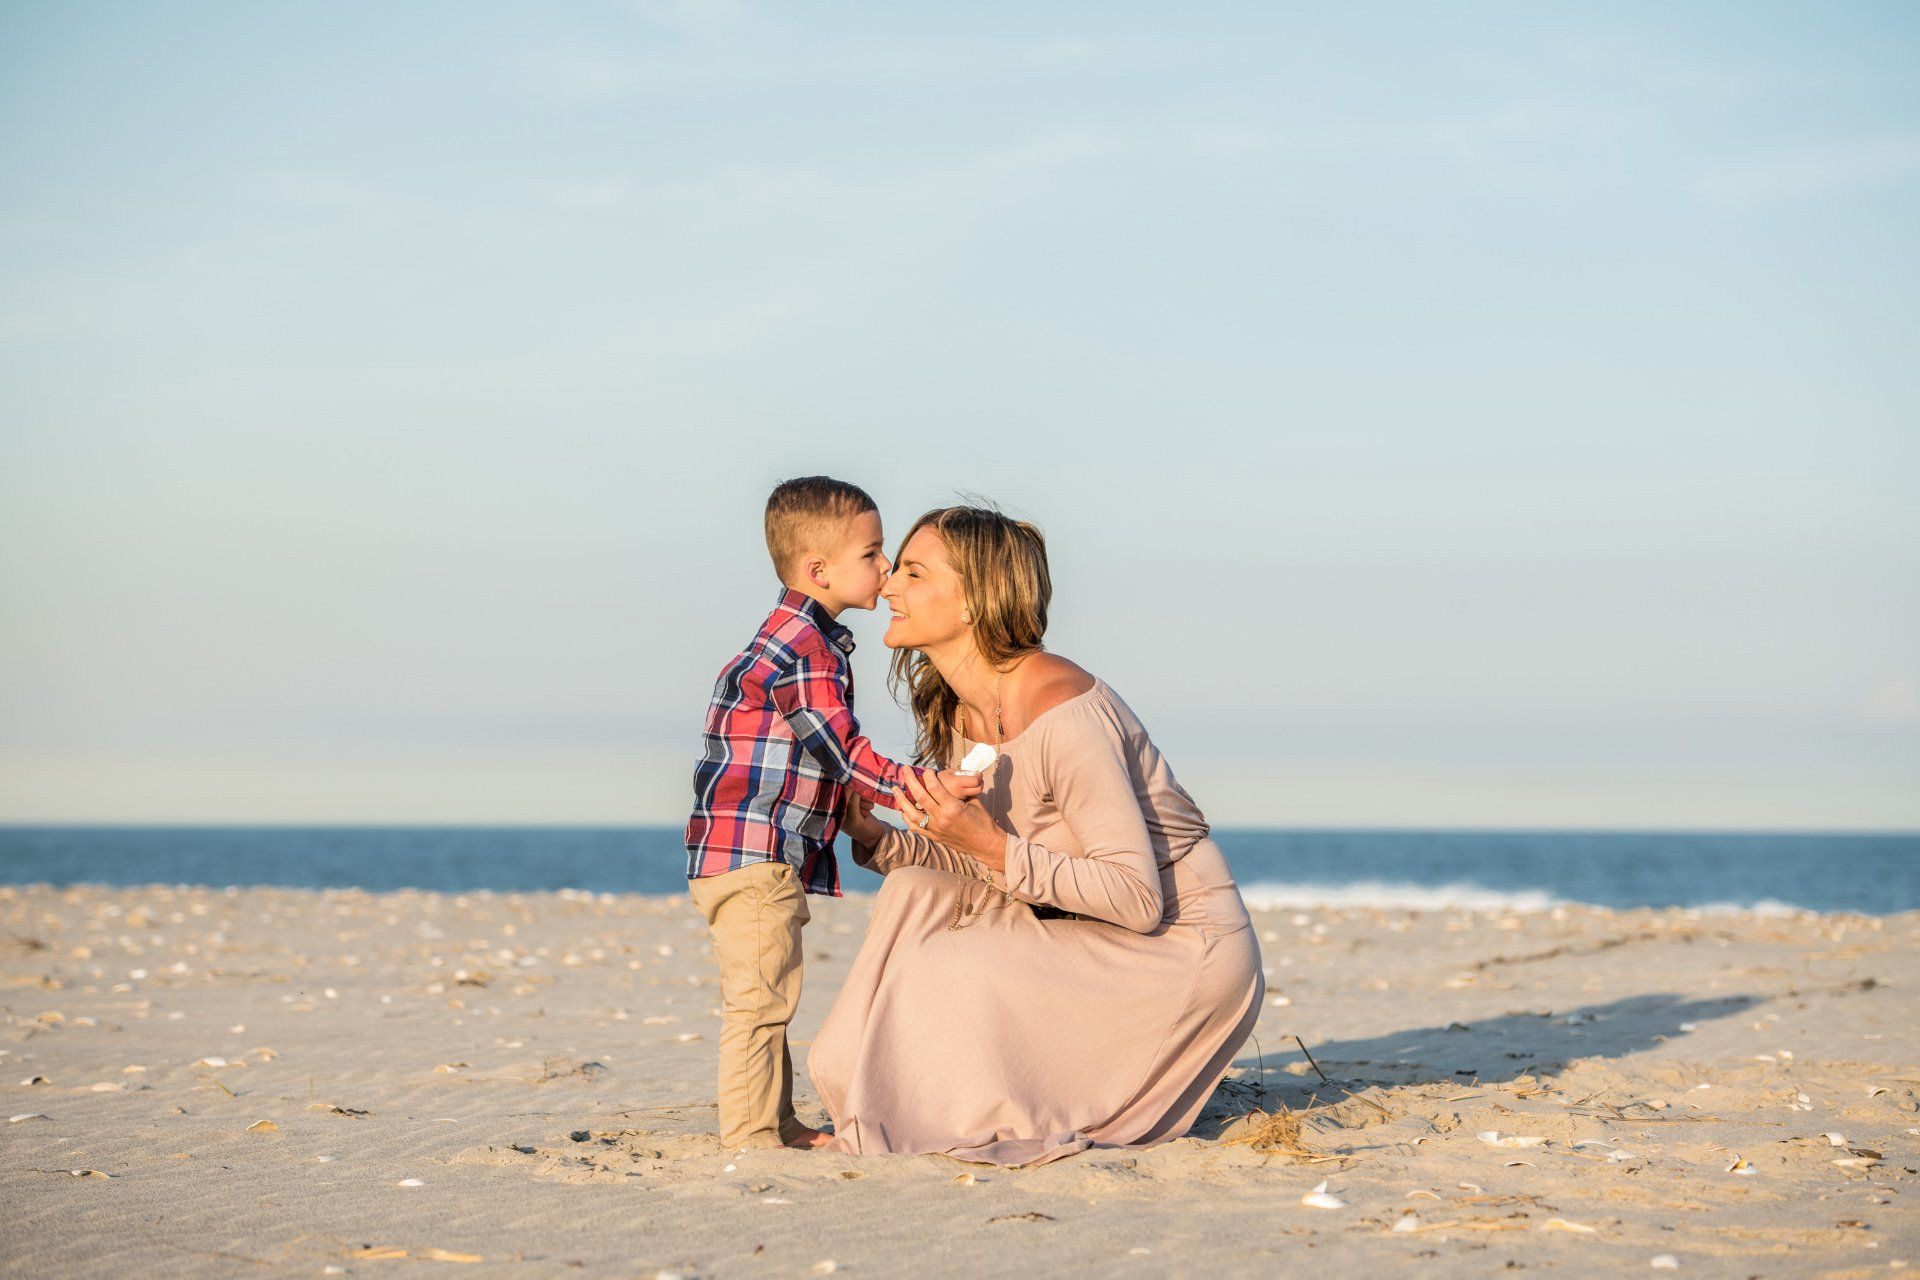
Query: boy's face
x,y
857,569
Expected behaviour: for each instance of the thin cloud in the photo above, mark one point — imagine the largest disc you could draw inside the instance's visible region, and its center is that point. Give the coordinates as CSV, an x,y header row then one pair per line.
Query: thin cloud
x,y
348,199
590,194
748,56
838,195
698,17
847,236
1062,53
1895,702
1833,169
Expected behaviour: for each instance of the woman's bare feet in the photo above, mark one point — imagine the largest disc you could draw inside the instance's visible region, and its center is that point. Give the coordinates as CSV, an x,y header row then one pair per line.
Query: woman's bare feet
x,y
810,1139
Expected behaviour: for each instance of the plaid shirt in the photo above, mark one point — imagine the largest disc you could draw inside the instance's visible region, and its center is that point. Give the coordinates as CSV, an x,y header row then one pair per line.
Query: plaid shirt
x,y
781,745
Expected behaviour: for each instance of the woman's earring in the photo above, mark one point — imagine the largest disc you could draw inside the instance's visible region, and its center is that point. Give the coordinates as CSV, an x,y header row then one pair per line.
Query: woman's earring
x,y
965,616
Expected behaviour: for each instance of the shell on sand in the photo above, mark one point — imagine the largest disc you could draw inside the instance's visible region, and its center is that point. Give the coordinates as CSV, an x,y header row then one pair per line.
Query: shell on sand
x,y
1494,1138
1319,1199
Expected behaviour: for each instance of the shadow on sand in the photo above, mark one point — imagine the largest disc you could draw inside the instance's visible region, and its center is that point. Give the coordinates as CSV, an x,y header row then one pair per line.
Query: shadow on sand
x,y
1490,1051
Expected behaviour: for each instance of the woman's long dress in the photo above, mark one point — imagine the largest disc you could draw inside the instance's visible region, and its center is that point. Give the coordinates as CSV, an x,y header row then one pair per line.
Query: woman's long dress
x,y
1016,1037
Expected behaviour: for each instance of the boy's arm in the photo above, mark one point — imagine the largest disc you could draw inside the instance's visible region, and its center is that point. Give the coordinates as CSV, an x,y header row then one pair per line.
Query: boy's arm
x,y
812,697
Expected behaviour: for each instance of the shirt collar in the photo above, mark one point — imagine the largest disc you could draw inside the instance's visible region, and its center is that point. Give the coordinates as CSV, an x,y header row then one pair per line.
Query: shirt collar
x,y
809,608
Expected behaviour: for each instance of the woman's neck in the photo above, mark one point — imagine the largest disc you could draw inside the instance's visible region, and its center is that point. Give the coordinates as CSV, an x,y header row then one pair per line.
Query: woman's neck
x,y
973,680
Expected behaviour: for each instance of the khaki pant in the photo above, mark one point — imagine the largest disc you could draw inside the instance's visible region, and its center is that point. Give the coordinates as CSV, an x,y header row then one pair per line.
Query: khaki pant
x,y
755,913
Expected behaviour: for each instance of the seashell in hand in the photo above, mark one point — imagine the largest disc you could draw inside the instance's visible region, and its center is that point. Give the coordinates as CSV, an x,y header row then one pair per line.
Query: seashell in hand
x,y
979,759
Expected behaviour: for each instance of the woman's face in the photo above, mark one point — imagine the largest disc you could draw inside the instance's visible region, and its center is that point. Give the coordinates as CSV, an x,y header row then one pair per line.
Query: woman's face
x,y
924,594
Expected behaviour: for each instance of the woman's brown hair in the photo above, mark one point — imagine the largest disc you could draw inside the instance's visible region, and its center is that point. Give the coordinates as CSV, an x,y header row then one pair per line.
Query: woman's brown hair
x,y
1002,563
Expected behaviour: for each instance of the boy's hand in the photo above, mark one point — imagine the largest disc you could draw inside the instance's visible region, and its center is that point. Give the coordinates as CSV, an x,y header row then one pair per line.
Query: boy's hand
x,y
857,820
963,785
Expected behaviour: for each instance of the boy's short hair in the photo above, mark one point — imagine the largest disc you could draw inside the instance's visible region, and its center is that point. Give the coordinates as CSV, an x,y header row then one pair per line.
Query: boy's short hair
x,y
802,515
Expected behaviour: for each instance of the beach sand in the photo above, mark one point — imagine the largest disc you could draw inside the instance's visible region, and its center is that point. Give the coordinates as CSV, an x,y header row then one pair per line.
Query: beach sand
x,y
279,1082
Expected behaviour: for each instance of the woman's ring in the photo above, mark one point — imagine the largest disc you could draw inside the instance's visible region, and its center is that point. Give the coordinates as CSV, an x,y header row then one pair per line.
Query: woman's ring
x,y
924,819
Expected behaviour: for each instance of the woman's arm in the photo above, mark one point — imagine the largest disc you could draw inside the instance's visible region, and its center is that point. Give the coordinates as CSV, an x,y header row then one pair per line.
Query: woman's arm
x,y
881,846
1114,877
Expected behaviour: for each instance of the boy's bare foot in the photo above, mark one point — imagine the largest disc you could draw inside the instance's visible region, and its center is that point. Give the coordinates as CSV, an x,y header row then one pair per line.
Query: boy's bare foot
x,y
810,1139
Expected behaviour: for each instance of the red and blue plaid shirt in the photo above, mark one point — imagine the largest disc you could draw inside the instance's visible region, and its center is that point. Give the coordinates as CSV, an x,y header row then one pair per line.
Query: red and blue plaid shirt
x,y
781,746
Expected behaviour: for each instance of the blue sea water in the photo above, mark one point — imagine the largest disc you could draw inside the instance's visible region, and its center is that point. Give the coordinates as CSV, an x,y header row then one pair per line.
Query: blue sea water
x,y
1874,874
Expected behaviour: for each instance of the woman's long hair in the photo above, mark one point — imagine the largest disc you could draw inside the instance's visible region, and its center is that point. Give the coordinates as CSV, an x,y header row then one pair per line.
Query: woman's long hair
x,y
1002,565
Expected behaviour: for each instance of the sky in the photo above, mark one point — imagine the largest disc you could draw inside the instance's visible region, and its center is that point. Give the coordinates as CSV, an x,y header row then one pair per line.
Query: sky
x,y
1484,415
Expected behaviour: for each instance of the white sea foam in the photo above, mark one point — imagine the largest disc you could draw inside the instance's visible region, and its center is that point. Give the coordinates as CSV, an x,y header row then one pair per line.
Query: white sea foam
x,y
1269,895
1769,907
1274,895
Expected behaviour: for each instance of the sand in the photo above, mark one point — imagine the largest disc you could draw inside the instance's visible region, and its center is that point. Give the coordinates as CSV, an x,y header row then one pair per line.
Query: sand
x,y
279,1082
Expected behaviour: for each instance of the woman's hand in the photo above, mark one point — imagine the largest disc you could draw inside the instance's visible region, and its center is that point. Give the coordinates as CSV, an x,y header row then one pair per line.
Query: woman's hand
x,y
934,811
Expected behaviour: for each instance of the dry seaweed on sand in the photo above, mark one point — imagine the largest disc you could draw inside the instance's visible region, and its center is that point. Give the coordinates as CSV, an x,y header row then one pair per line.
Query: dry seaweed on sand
x,y
1279,1133
1377,1106
1276,1132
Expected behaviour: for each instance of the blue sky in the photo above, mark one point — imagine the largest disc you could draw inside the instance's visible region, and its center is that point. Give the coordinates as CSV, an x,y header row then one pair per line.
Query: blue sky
x,y
1464,415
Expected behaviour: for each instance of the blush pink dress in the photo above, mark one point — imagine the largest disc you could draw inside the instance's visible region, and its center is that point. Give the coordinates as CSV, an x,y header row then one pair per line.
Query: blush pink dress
x,y
974,1026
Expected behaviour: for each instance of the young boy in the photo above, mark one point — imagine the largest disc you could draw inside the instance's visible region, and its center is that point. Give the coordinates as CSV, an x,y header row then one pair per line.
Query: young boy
x,y
781,747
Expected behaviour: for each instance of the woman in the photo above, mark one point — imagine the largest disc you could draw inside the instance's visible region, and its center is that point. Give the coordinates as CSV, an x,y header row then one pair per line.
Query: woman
x,y
1064,961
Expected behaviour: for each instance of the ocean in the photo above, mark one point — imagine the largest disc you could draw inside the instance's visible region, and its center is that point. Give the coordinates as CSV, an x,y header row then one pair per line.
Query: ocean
x,y
1874,874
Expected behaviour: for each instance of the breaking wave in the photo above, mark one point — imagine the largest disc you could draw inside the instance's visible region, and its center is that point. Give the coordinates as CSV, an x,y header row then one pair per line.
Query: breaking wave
x,y
1271,895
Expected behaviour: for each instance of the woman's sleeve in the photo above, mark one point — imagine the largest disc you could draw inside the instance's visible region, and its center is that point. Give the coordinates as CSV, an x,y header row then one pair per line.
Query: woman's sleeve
x,y
900,848
1115,876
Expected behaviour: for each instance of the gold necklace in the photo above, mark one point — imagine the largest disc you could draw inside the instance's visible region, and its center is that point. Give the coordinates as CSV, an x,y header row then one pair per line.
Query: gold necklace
x,y
963,905
999,726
